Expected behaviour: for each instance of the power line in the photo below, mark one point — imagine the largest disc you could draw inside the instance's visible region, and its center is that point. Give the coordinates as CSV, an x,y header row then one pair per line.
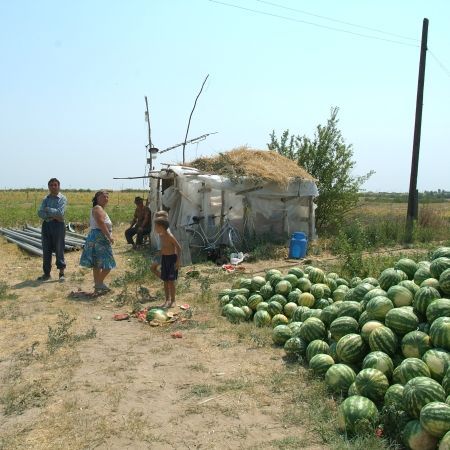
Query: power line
x,y
376,30
291,19
441,64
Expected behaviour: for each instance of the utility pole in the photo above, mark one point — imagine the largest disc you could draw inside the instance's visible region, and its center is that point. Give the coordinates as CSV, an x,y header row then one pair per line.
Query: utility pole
x,y
147,118
413,198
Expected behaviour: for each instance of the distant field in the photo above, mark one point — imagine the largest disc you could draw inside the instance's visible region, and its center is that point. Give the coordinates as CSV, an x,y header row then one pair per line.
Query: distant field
x,y
18,207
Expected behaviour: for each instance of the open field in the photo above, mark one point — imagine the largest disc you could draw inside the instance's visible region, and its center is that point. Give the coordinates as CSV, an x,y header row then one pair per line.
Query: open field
x,y
98,383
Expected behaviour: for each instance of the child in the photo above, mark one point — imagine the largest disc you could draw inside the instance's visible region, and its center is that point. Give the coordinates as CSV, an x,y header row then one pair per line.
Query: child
x,y
157,258
170,260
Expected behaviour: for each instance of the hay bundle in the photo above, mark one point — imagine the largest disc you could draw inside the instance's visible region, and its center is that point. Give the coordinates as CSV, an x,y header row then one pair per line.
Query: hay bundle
x,y
254,165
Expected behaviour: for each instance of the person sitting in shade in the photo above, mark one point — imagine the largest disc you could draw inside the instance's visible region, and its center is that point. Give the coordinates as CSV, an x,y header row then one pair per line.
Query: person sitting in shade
x,y
141,223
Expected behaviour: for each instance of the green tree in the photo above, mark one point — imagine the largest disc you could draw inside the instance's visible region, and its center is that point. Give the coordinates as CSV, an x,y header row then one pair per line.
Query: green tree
x,y
329,160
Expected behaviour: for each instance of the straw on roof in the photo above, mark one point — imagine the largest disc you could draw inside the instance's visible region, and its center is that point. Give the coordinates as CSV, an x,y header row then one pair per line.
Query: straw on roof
x,y
255,165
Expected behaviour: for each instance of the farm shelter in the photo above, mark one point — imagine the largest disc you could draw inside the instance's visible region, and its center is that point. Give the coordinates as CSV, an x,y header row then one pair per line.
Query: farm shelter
x,y
261,192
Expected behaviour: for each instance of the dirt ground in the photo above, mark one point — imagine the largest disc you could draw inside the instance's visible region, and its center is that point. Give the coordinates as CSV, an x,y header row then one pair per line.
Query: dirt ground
x,y
128,385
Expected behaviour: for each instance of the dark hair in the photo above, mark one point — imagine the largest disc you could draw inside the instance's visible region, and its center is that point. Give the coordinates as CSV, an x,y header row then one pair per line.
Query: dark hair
x,y
138,200
95,198
163,222
163,214
53,180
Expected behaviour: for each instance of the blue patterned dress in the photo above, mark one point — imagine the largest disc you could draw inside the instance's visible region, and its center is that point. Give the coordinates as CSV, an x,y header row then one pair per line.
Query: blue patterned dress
x,y
97,251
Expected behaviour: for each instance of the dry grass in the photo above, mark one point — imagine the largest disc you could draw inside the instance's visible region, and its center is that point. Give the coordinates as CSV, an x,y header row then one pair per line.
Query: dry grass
x,y
255,165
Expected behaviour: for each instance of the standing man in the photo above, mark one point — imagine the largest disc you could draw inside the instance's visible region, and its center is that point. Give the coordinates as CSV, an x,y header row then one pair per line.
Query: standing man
x,y
52,211
141,223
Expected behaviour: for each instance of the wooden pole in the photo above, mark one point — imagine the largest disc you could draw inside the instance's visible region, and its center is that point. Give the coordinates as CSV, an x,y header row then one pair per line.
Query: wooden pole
x,y
310,217
150,145
190,117
412,212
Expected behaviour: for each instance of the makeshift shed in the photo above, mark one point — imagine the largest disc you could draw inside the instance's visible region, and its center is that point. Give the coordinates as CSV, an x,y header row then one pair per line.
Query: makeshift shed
x,y
261,192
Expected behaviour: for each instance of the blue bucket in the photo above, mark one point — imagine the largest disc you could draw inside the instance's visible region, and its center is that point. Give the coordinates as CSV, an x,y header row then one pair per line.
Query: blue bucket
x,y
298,245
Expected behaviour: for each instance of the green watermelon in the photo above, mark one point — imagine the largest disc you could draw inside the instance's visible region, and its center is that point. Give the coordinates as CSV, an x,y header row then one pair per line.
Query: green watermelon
x,y
438,266
420,391
342,326
295,327
440,333
317,291
380,361
422,273
297,271
438,361
372,281
329,313
271,273
440,252
444,281
306,299
368,327
245,283
430,282
257,283
321,303
342,282
239,300
311,313
383,339
292,279
262,318
295,346
275,280
279,319
390,277
435,418
415,344
224,300
411,368
401,320
353,390
355,281
266,291
424,296
281,299
226,308
438,308
394,396
351,348
410,285
356,414
316,347
263,306
313,328
236,315
274,308
339,293
408,266
446,382
304,284
248,312
316,275
157,314
363,319
331,283
294,296
339,377
280,334
361,290
400,296
445,442
350,309
378,307
320,364
289,309
332,275
372,383
253,301
416,438
297,316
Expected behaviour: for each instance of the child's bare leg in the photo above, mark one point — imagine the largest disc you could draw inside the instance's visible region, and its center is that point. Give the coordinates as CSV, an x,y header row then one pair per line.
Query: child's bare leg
x,y
172,292
154,269
167,294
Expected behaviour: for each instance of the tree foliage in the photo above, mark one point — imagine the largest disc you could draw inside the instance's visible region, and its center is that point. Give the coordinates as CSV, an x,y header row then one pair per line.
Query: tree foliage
x,y
328,159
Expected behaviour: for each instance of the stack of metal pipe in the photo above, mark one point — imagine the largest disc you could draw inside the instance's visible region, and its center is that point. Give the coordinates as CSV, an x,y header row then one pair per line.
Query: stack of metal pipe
x,y
30,239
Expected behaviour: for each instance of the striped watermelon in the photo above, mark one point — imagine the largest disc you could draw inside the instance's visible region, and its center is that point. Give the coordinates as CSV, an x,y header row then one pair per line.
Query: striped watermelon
x,y
435,418
368,327
304,284
271,273
410,285
332,275
420,391
380,361
294,296
415,344
226,309
444,281
224,300
411,368
248,312
351,348
329,313
331,283
315,348
440,333
389,277
322,303
313,328
342,326
430,282
316,275
400,296
401,320
445,442
373,293
422,274
279,319
283,287
236,314
372,281
289,309
274,308
394,396
261,318
317,291
352,390
355,281
339,293
446,382
408,266
297,316
356,415
372,383
416,438
257,283
266,291
275,280
311,313
295,327
339,377
440,252
281,299
254,300
438,266
292,279
295,346
363,319
438,361
239,300
342,282
424,296
280,334
263,306
297,271
378,307
438,308
361,290
332,351
306,299
383,339
320,364
350,309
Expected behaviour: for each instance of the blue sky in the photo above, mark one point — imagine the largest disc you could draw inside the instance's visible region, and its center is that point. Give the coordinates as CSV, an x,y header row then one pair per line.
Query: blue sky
x,y
74,76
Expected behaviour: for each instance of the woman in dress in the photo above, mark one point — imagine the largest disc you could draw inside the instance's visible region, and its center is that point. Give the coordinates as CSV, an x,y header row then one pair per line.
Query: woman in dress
x,y
97,252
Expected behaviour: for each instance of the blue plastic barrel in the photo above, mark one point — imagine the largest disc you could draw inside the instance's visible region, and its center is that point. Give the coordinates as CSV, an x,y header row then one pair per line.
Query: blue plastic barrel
x,y
298,245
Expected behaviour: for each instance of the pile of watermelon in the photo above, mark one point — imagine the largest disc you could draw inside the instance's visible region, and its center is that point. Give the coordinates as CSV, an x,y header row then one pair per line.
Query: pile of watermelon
x,y
377,342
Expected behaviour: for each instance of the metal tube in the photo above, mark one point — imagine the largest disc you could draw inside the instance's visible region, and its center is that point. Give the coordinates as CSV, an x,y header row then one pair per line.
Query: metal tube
x,y
31,240
27,247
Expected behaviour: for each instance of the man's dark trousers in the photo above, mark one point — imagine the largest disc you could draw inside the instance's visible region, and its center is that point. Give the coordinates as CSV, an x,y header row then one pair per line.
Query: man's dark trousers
x,y
53,237
130,232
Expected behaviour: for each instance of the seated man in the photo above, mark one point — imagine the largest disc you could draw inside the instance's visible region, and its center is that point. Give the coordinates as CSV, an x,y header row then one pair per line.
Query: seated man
x,y
141,223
